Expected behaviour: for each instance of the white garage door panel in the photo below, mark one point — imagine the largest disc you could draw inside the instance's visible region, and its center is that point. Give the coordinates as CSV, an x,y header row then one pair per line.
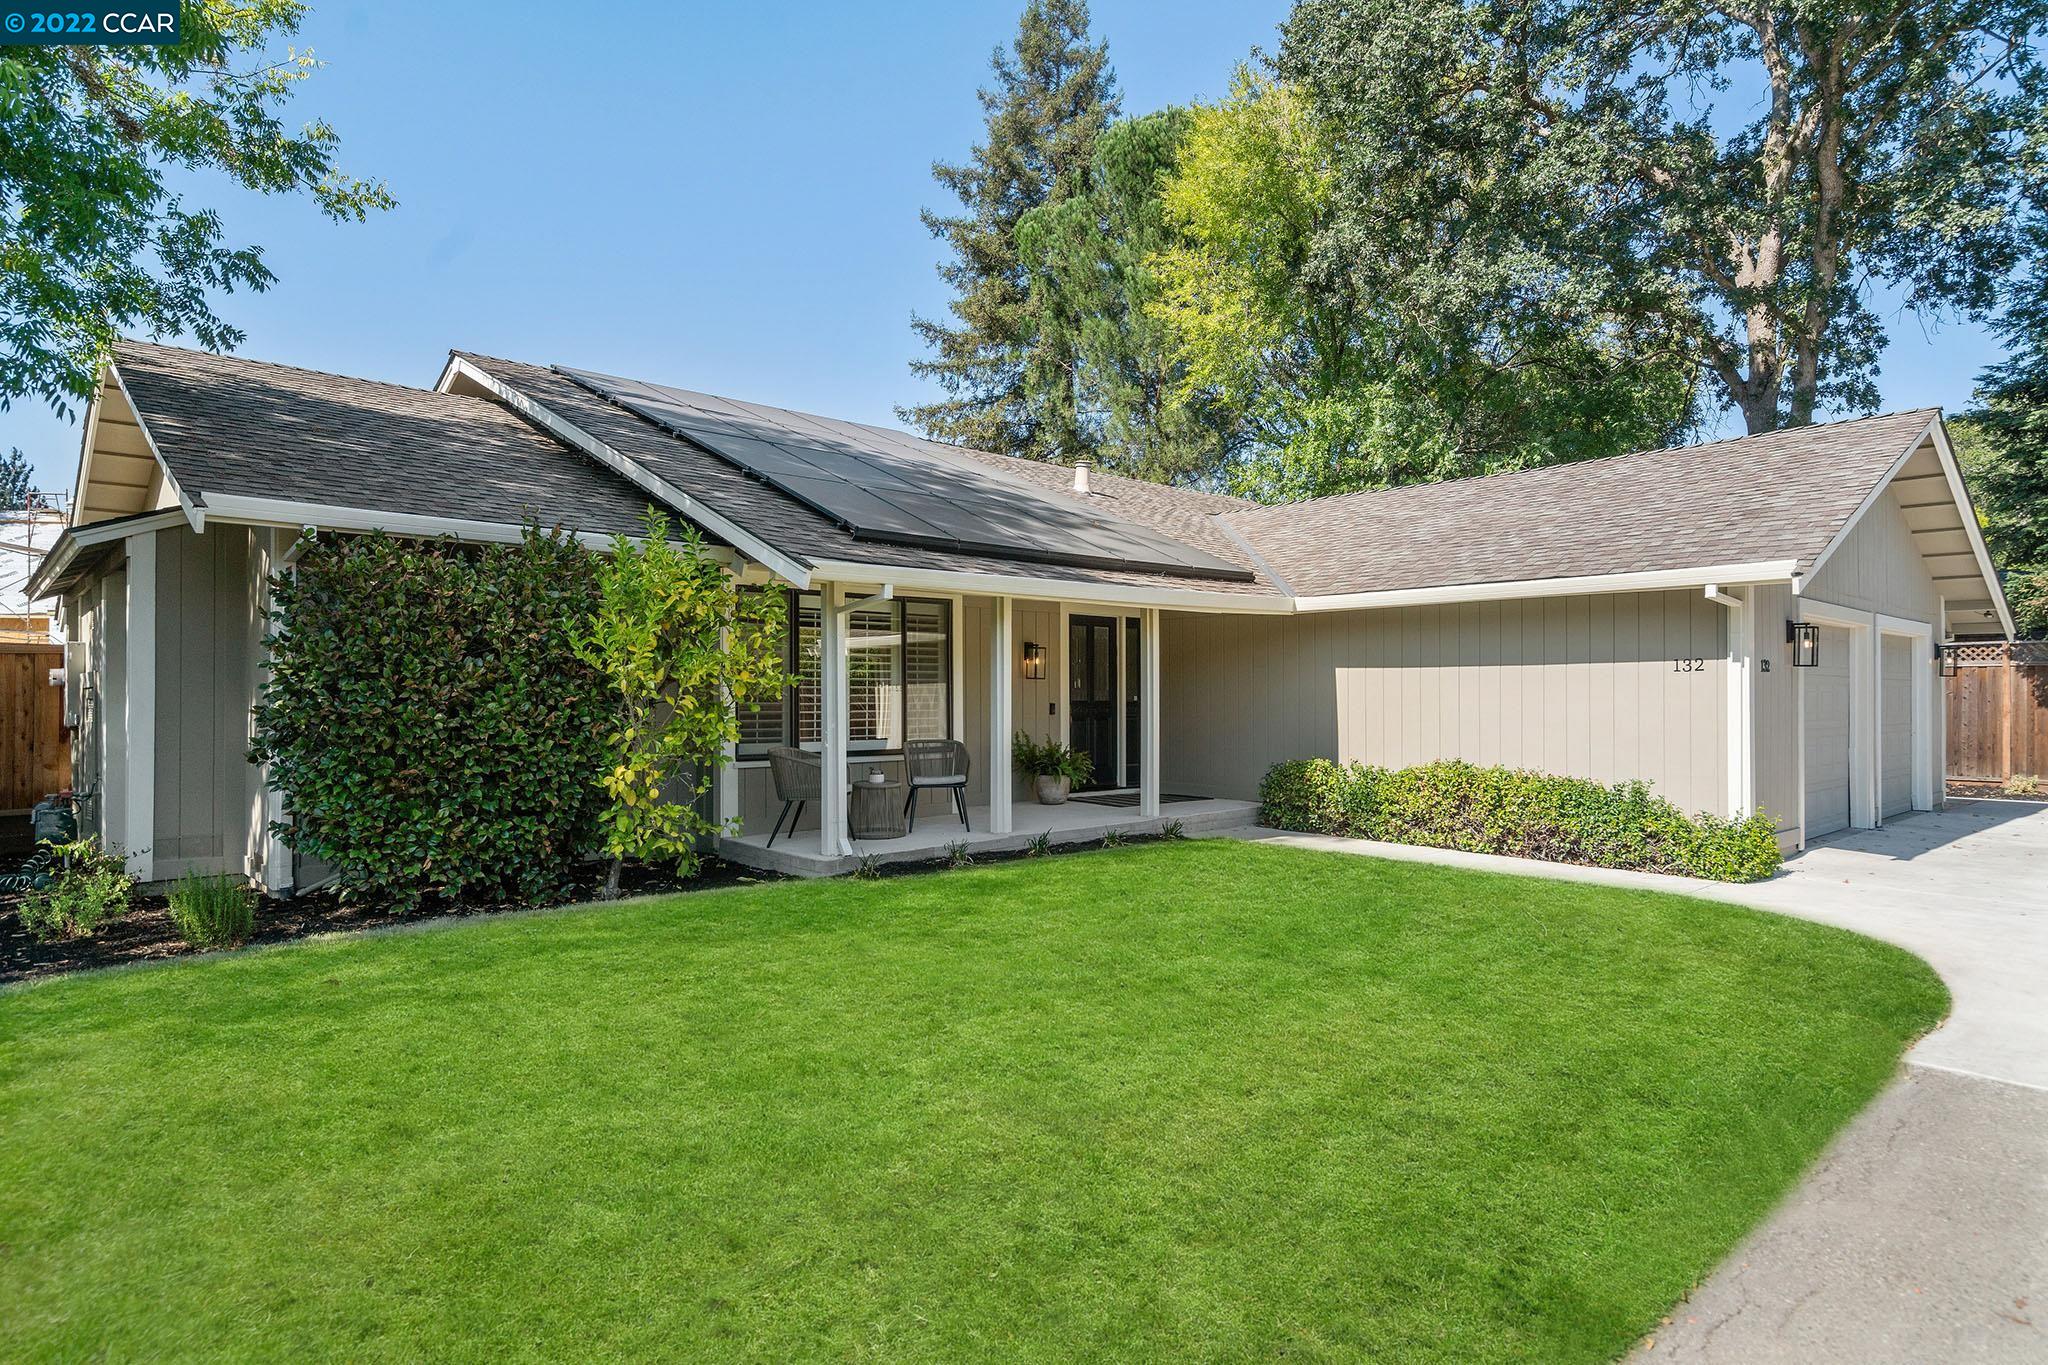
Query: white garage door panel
x,y
1897,706
1826,686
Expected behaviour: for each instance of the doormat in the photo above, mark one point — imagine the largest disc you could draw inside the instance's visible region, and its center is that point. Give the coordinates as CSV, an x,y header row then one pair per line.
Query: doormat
x,y
1130,799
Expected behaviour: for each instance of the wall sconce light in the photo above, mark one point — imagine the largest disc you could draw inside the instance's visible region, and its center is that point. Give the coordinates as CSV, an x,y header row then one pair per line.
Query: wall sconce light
x,y
1034,660
1947,655
1804,637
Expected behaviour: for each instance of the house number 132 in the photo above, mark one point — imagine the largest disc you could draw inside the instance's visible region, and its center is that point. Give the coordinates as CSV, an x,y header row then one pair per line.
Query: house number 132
x,y
1688,665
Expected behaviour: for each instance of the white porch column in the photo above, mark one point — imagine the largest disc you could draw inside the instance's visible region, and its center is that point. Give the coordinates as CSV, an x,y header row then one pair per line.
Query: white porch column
x,y
1002,670
139,729
274,866
832,702
725,783
1148,714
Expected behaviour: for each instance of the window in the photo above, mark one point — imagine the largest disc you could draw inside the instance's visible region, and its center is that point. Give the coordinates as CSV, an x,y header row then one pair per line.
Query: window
x,y
899,679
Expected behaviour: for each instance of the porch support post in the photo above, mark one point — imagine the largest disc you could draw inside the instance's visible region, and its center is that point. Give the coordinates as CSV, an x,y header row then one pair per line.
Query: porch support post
x,y
725,783
832,721
1148,714
1002,668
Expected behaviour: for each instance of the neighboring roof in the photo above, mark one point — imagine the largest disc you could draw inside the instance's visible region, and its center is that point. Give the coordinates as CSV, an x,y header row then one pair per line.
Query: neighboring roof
x,y
795,529
1777,497
242,428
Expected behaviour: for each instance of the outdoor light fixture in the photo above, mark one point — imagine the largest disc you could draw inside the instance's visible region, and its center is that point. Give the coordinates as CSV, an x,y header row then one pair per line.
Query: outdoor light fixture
x,y
1034,660
1804,637
1947,655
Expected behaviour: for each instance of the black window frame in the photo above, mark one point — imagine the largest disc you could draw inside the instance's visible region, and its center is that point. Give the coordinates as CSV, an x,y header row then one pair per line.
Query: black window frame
x,y
792,719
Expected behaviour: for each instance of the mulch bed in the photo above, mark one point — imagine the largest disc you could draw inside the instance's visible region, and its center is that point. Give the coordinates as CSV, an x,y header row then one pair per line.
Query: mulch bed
x,y
145,933
1995,790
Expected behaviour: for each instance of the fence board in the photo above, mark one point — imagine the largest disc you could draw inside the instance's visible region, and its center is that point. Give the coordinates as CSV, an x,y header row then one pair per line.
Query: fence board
x,y
35,753
1998,711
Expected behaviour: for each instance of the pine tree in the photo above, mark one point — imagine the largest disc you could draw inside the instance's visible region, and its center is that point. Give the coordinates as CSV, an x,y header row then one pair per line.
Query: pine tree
x,y
2003,443
1009,383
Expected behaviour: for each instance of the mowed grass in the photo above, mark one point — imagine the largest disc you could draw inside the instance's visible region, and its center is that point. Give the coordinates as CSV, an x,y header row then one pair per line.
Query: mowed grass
x,y
1201,1100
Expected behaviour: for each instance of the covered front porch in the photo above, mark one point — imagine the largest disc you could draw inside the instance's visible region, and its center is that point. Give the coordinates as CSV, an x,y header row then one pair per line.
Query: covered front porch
x,y
1076,822
879,664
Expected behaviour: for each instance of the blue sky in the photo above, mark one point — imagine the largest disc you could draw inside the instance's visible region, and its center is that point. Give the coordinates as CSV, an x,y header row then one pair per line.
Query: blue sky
x,y
718,196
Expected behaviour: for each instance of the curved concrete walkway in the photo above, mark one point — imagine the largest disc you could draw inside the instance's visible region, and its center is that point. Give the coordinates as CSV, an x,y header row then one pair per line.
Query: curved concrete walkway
x,y
1921,1236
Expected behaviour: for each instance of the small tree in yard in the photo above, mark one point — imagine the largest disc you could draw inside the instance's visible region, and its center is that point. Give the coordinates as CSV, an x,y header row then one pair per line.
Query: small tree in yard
x,y
683,647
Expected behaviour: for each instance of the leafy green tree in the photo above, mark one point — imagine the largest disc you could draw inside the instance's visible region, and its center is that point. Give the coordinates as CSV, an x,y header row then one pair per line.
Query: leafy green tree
x,y
1732,178
1337,375
17,480
1009,384
1092,292
93,242
683,647
2003,446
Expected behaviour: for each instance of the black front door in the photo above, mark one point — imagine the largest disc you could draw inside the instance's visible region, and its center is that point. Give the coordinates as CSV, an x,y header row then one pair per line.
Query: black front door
x,y
1091,694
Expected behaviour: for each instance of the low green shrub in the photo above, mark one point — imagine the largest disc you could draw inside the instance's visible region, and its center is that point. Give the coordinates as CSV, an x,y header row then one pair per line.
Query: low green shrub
x,y
2023,784
213,912
88,884
1516,812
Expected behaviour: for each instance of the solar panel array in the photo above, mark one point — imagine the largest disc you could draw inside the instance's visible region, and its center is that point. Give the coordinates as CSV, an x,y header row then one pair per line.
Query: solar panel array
x,y
889,486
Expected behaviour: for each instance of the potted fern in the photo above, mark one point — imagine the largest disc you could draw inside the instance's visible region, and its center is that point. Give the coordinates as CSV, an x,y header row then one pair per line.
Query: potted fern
x,y
1052,766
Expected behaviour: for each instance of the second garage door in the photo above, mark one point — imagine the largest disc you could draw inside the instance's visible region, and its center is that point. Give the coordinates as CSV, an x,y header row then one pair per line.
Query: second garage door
x,y
1897,741
1827,735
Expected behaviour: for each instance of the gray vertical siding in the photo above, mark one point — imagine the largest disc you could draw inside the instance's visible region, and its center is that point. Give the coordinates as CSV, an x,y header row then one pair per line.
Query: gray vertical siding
x,y
1774,709
1878,568
208,796
1583,686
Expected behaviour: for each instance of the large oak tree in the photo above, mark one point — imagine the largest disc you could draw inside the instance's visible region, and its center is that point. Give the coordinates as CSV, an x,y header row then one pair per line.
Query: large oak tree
x,y
1742,176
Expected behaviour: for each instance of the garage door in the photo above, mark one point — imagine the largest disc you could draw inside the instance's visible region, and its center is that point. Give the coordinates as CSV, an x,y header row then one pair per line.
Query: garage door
x,y
1827,735
1896,786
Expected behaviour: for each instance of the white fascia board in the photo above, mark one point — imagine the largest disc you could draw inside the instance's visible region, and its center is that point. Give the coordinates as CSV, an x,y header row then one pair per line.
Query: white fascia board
x,y
907,577
786,567
192,513
76,538
1945,452
325,517
1654,580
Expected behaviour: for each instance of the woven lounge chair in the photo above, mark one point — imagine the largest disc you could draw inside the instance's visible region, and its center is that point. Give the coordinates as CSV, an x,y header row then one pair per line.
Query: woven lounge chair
x,y
935,765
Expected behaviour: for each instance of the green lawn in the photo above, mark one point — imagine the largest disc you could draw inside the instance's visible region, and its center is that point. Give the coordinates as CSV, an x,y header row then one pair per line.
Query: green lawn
x,y
1200,1100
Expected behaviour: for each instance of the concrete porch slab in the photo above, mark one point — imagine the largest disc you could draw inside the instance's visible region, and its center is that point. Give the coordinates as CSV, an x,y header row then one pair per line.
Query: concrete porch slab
x,y
1076,822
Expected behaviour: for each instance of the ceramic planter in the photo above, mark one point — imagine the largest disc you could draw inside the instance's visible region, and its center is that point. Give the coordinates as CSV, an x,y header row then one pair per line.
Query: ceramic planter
x,y
1052,791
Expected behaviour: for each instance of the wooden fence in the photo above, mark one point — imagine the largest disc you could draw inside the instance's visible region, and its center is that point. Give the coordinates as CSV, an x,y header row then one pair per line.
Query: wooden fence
x,y
1998,711
35,753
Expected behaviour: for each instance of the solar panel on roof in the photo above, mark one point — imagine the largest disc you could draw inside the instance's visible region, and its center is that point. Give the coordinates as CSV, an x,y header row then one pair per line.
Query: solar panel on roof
x,y
886,486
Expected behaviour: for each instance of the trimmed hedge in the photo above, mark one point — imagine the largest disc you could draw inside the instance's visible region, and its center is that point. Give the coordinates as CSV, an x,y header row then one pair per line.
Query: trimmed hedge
x,y
427,718
1513,811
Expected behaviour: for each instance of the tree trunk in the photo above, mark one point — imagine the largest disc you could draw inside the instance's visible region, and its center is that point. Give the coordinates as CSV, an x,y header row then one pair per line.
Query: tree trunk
x,y
611,880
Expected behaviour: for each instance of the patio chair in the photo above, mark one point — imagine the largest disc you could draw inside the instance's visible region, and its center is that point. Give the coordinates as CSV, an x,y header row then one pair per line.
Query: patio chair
x,y
935,765
798,778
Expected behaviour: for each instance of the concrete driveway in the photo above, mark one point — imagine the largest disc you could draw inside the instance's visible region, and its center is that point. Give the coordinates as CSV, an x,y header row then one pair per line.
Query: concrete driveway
x,y
1921,1237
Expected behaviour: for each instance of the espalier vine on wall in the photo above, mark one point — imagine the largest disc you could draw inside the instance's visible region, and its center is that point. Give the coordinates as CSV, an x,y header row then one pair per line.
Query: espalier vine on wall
x,y
428,719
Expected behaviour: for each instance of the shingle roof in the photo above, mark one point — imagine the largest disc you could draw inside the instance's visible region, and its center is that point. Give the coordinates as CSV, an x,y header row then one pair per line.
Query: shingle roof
x,y
239,427
796,530
230,426
1781,496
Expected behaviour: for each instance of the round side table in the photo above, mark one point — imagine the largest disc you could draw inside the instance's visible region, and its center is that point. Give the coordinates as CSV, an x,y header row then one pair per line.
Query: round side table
x,y
876,811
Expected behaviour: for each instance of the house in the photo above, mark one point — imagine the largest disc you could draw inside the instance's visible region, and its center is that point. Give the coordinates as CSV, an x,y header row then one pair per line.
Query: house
x,y
1745,624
